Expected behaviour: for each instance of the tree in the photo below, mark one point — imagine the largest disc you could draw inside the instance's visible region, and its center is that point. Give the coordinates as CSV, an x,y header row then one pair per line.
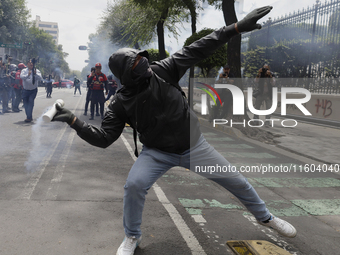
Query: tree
x,y
167,13
138,22
154,55
127,24
218,59
234,60
13,20
51,56
234,44
289,50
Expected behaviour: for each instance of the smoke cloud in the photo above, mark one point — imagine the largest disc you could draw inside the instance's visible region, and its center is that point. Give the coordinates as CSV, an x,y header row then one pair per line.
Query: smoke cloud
x,y
38,149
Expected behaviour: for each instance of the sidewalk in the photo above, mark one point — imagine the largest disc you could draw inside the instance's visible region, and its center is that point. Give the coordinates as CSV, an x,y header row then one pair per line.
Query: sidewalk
x,y
317,142
313,141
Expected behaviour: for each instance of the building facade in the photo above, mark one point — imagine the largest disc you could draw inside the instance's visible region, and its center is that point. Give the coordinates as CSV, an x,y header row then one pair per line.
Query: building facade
x,y
49,27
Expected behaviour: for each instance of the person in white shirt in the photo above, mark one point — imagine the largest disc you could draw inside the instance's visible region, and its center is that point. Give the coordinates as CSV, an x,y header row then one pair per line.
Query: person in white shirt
x,y
30,79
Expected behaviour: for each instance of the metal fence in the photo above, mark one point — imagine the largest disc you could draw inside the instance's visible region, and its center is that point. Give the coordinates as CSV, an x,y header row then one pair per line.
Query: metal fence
x,y
314,85
314,34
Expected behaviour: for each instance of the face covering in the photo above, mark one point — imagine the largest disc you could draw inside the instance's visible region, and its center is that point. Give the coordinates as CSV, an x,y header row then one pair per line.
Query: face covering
x,y
142,71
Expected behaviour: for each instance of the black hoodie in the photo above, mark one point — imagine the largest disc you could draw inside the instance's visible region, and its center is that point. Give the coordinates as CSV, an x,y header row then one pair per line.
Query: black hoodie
x,y
156,108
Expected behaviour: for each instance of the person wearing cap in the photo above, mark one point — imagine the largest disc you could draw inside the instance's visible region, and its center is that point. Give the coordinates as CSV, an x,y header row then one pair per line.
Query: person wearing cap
x,y
18,88
153,104
97,83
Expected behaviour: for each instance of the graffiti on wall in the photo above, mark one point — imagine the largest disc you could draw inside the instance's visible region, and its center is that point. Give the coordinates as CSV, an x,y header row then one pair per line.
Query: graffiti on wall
x,y
324,105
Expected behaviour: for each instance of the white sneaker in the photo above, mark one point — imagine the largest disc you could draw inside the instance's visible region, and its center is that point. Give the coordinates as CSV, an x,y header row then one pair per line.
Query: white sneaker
x,y
128,245
281,226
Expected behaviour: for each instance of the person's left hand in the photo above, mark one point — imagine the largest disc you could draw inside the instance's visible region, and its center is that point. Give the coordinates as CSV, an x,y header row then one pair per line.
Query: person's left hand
x,y
249,22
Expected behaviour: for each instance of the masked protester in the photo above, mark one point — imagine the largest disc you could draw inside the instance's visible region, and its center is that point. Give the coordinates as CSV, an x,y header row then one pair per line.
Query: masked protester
x,y
152,103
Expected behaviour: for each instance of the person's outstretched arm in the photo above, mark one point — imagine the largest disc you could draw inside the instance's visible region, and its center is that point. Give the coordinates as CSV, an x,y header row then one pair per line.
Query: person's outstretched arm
x,y
173,68
110,130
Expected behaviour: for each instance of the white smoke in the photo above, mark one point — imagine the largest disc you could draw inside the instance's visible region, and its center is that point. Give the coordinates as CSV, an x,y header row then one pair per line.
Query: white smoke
x,y
38,149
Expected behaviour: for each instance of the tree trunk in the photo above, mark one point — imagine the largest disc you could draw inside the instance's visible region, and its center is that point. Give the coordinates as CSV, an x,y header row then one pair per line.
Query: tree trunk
x,y
234,45
234,61
192,8
190,4
160,35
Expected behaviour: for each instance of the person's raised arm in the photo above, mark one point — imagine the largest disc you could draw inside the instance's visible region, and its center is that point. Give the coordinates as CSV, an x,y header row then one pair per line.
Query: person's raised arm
x,y
173,68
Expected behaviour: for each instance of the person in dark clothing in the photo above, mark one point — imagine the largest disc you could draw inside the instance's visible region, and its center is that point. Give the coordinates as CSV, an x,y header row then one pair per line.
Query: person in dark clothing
x,y
4,86
97,82
265,82
226,74
88,96
48,87
112,86
153,104
76,84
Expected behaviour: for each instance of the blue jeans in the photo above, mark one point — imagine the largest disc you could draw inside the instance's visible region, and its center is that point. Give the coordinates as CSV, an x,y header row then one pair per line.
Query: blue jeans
x,y
152,164
28,97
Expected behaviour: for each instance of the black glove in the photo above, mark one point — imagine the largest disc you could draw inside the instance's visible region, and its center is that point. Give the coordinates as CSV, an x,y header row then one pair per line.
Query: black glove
x,y
63,115
248,23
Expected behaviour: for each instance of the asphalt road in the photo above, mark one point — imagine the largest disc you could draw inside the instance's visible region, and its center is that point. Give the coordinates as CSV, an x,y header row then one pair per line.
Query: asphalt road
x,y
60,195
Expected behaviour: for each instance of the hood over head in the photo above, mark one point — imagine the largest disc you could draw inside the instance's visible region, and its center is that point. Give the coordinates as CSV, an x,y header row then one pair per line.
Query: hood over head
x,y
121,63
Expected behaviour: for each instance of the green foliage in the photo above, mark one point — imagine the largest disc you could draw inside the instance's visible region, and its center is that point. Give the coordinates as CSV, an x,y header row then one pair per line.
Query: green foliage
x,y
154,55
334,21
290,50
218,59
293,60
51,57
253,60
280,33
13,20
15,28
128,24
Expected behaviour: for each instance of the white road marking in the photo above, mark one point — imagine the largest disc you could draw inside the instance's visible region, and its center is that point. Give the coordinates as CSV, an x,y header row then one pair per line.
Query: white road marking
x,y
33,181
198,218
183,228
35,178
52,191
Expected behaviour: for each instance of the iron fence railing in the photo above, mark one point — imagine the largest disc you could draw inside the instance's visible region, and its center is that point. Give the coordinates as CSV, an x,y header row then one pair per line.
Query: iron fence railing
x,y
317,27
